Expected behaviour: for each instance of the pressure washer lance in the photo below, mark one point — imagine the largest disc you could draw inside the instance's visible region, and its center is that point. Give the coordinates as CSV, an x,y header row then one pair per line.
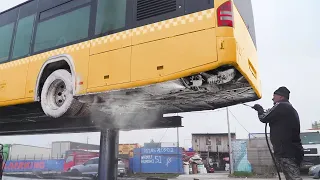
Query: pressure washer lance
x,y
266,135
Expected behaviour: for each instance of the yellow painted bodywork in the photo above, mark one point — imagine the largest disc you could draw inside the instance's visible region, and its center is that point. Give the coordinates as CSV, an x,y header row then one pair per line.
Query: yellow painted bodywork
x,y
154,53
109,68
11,79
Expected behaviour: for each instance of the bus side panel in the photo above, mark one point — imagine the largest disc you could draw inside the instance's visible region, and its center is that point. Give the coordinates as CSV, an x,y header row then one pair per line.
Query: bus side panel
x,y
111,42
35,65
80,58
245,10
171,55
109,68
13,80
173,45
81,62
174,27
247,57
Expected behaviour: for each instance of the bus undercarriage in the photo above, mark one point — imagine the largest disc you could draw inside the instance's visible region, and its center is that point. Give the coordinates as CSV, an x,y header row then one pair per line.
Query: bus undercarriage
x,y
205,91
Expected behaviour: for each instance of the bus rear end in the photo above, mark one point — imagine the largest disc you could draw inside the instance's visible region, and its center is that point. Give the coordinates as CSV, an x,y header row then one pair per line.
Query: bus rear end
x,y
236,40
182,56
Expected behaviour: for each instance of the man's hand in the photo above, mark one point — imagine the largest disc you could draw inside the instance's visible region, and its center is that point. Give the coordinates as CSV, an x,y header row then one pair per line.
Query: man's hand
x,y
258,107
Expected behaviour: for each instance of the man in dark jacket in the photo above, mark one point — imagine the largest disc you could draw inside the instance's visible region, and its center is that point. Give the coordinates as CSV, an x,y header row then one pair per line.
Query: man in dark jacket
x,y
284,125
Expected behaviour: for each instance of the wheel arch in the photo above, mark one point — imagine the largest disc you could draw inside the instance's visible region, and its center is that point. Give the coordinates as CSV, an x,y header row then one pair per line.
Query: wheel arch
x,y
63,58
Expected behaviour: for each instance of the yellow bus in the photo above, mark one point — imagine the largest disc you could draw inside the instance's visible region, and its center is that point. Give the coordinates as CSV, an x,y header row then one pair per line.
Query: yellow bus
x,y
170,55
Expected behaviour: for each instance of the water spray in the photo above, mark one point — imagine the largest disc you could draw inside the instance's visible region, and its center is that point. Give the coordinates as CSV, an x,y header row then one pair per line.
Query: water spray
x,y
266,135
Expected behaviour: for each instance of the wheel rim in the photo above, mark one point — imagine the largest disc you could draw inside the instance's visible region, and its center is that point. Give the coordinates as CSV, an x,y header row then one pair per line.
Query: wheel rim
x,y
57,94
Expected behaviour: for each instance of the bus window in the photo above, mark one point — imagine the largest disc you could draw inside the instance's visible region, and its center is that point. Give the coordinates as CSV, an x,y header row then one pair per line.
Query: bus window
x,y
111,15
6,33
63,29
23,37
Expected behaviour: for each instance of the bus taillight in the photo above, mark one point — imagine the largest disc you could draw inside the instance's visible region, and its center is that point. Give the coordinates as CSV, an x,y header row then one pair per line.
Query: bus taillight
x,y
225,14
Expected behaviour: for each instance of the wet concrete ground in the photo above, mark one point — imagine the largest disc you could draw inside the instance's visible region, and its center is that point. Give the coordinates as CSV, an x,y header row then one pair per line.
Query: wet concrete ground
x,y
224,176
182,177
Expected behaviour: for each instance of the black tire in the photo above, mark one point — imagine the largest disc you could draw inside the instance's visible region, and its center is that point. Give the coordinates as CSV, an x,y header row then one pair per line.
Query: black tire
x,y
84,111
57,95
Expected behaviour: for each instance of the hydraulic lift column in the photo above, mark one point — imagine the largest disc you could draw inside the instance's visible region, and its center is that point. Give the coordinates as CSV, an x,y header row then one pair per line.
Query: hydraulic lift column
x,y
109,149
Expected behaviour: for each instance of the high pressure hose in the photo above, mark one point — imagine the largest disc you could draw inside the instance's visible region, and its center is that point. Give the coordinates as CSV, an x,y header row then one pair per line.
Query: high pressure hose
x,y
266,135
2,162
274,160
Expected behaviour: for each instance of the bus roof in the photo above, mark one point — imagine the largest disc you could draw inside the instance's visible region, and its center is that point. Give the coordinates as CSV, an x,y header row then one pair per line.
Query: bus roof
x,y
15,6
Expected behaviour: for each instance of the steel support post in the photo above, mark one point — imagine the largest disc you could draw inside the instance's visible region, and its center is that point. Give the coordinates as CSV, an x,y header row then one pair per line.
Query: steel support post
x,y
109,149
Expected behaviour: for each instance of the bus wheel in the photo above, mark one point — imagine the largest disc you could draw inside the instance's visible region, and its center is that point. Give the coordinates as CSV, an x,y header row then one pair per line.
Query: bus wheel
x,y
57,95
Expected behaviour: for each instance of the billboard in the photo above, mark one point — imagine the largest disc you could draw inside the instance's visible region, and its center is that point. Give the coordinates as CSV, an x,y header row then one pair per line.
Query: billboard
x,y
157,160
34,166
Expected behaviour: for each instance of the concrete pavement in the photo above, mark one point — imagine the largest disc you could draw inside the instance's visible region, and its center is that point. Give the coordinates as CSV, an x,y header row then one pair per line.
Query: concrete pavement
x,y
213,176
223,176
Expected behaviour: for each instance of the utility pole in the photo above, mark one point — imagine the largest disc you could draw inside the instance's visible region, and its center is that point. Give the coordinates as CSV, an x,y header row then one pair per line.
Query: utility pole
x,y
230,145
178,138
218,165
87,143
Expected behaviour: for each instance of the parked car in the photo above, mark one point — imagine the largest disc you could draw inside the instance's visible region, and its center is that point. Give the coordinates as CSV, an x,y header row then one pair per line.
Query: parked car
x,y
210,169
315,171
91,168
122,171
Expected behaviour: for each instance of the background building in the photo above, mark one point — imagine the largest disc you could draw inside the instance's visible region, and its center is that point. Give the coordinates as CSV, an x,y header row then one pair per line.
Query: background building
x,y
211,142
316,125
213,147
59,148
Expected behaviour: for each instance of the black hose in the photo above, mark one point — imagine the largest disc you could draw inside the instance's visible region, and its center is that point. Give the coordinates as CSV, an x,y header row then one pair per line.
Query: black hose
x,y
274,161
1,161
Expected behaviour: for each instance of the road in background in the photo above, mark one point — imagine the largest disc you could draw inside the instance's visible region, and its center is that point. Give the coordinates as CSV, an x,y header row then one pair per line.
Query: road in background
x,y
182,177
223,176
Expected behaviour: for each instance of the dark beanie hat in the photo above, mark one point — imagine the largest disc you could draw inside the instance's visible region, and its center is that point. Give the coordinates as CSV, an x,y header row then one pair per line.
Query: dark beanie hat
x,y
283,91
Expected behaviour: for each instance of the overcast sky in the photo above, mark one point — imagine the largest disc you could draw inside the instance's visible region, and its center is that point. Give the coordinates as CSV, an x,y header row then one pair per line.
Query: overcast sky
x,y
288,48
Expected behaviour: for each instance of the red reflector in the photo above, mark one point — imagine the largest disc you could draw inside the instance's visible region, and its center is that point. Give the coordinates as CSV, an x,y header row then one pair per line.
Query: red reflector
x,y
225,14
80,83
